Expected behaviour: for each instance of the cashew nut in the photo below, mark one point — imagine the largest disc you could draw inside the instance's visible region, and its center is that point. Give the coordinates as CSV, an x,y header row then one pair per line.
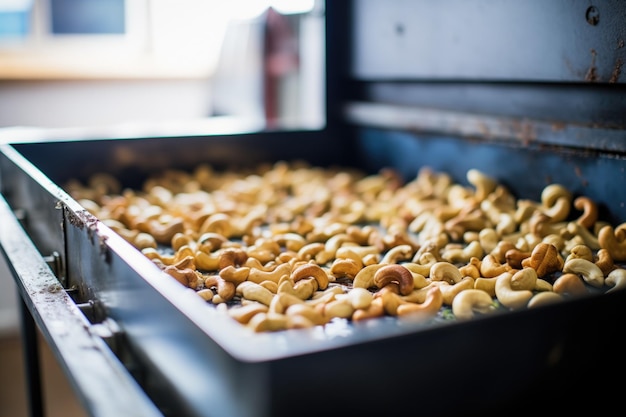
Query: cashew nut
x,y
258,275
614,241
524,279
255,292
545,259
589,271
365,277
429,308
311,270
244,313
509,297
450,291
544,298
225,289
556,201
570,284
397,254
616,279
445,271
469,302
590,211
234,275
394,273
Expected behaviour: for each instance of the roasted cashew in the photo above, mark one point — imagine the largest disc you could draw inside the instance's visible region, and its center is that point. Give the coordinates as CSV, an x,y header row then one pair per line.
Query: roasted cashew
x,y
524,279
469,302
445,271
604,261
310,251
556,201
471,269
365,277
488,239
234,275
219,223
144,240
463,253
590,211
306,311
571,284
210,241
614,241
450,291
394,273
581,252
303,289
541,225
545,259
265,250
311,270
509,297
483,183
334,243
181,239
207,261
225,289
254,292
544,298
506,224
397,254
589,271
514,258
360,298
268,322
345,268
270,285
254,263
258,276
375,309
282,300
422,265
487,285
616,279
341,307
206,294
244,313
186,276
232,257
500,250
589,238
458,225
429,308
490,267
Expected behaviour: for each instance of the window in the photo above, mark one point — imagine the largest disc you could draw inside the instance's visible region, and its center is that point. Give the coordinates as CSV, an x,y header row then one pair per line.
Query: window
x,y
110,38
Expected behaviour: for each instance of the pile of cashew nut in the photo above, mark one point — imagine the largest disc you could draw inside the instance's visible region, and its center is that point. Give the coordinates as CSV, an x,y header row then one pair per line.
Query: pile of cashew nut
x,y
288,245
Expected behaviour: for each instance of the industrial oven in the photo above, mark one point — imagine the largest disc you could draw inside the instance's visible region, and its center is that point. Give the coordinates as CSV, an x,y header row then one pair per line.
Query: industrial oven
x,y
531,93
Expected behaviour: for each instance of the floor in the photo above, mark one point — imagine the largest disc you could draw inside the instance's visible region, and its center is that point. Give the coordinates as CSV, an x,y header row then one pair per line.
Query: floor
x,y
58,398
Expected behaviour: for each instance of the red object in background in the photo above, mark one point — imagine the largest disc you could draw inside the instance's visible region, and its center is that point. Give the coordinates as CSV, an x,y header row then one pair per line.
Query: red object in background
x,y
280,57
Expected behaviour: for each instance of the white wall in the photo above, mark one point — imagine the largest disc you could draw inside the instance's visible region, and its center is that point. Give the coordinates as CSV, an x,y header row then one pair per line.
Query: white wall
x,y
101,102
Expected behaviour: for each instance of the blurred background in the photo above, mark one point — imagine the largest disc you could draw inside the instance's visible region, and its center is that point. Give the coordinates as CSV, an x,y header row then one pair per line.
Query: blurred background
x,y
94,63
179,65
98,62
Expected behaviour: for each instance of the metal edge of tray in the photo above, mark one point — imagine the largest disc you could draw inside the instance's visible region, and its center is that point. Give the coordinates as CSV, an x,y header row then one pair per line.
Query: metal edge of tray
x,y
94,372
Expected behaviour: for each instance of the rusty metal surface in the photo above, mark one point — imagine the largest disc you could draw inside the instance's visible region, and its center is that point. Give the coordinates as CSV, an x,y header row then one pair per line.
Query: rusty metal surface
x,y
529,41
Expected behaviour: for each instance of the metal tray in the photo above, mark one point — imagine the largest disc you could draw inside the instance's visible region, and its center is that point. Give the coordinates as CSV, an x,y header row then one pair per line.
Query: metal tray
x,y
189,359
